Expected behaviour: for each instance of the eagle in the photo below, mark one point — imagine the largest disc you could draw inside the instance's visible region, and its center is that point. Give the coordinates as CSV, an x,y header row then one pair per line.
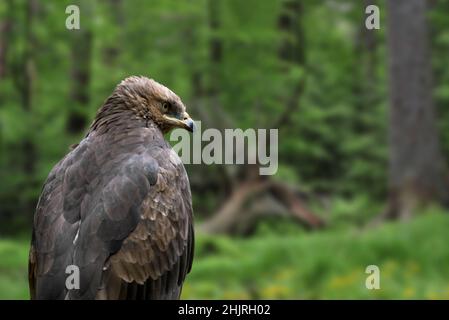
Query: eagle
x,y
118,207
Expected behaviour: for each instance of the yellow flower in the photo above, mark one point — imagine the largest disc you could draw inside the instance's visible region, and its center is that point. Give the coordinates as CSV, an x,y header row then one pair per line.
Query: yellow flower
x,y
411,268
388,268
235,295
275,291
344,280
409,292
284,274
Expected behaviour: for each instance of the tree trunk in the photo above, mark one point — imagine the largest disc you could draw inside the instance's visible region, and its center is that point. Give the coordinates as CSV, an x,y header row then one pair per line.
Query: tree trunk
x,y
80,75
416,170
5,29
112,52
215,47
292,52
365,82
27,85
368,45
365,50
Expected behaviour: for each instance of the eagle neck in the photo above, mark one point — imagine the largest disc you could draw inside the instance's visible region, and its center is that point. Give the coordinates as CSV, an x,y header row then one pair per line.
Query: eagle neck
x,y
116,119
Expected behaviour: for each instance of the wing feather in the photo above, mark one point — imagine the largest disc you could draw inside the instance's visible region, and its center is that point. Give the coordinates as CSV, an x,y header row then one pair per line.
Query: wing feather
x,y
119,207
158,253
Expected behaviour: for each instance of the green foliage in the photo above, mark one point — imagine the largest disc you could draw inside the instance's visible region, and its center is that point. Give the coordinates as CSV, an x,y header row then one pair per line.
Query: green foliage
x,y
336,141
13,269
334,146
413,259
440,45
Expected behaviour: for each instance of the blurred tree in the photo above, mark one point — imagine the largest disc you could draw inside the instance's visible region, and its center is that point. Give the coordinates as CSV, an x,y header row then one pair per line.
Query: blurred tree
x,y
291,52
81,55
5,29
253,196
24,76
309,68
364,143
215,46
439,30
27,83
417,170
113,50
365,54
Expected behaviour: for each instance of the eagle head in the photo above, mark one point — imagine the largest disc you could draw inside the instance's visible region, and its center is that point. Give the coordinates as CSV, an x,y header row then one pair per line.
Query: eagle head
x,y
149,100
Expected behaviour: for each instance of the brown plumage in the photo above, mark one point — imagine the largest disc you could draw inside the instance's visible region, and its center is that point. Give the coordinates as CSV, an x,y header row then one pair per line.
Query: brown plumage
x,y
118,206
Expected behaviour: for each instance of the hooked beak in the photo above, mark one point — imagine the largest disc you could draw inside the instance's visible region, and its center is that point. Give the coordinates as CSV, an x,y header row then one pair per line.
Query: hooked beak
x,y
186,123
190,125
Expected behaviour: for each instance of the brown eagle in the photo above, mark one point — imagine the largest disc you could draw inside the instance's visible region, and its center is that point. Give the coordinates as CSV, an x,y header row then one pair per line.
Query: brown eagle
x,y
118,206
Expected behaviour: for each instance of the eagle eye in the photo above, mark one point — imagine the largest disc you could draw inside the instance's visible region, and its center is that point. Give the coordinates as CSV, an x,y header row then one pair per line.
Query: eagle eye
x,y
165,106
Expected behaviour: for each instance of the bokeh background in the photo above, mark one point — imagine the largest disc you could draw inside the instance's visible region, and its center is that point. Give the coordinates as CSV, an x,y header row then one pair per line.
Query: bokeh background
x,y
363,134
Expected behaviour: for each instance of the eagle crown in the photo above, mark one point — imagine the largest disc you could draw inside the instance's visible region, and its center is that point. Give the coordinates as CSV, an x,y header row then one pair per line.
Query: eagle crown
x,y
147,100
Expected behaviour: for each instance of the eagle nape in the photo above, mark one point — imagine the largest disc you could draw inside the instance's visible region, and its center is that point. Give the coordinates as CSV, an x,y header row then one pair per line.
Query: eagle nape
x,y
116,211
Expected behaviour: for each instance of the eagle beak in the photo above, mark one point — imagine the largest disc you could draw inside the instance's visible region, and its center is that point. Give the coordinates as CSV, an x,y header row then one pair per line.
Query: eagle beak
x,y
186,123
189,124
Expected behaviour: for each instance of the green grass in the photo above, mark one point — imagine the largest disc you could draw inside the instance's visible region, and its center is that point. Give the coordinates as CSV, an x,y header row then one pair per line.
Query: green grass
x,y
14,269
413,258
